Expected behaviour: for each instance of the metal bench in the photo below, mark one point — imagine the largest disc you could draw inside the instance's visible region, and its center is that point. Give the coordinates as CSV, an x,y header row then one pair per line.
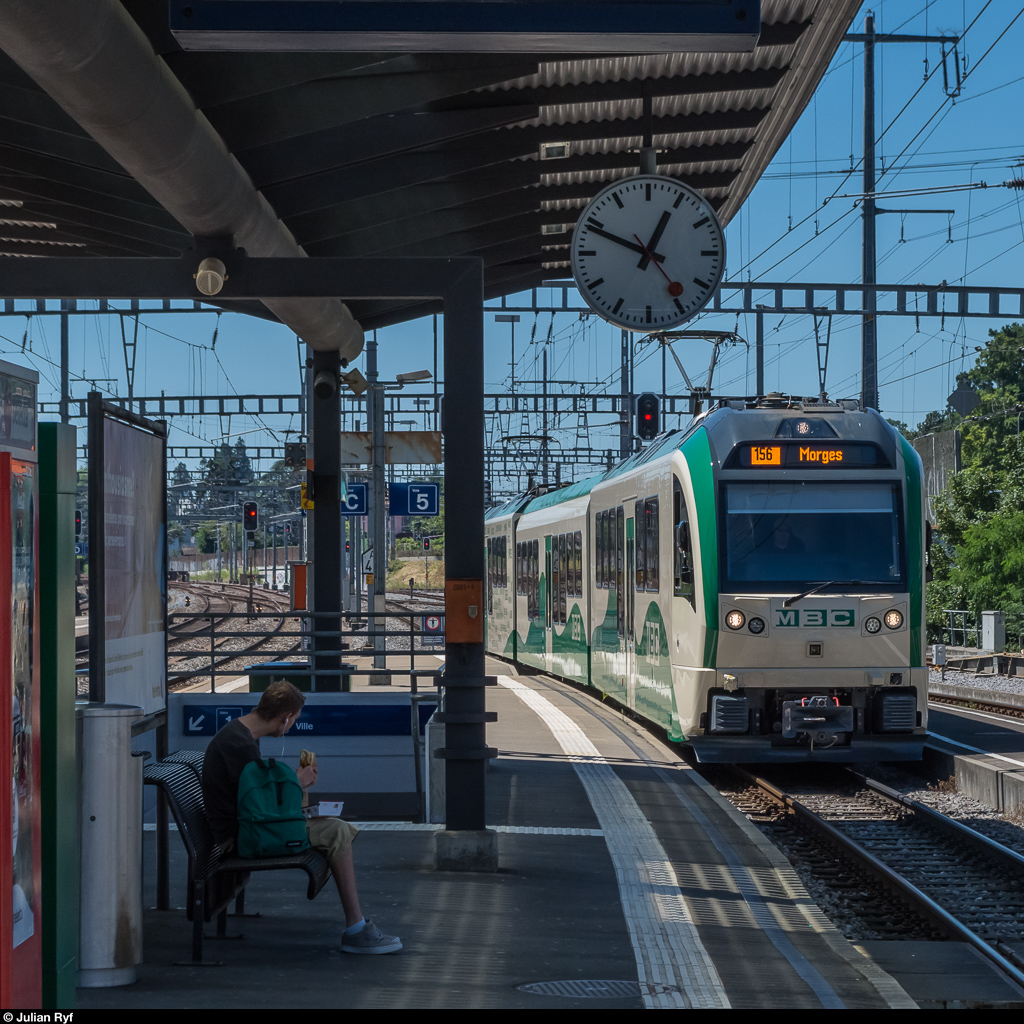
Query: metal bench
x,y
215,879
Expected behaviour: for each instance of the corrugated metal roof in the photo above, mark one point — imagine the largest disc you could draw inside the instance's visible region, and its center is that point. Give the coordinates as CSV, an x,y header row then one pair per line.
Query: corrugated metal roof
x,y
425,154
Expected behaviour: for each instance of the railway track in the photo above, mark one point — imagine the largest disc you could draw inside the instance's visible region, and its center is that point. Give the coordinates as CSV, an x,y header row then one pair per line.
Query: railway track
x,y
974,704
196,639
957,881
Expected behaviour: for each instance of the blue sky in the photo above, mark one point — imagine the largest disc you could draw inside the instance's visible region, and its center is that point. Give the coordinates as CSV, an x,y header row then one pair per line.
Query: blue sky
x,y
789,229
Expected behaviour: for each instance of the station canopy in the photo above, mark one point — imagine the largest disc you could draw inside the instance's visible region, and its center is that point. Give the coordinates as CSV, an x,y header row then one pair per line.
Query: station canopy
x,y
413,154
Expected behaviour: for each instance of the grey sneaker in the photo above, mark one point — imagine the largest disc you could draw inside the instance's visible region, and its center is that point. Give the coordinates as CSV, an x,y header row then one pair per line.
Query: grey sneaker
x,y
370,940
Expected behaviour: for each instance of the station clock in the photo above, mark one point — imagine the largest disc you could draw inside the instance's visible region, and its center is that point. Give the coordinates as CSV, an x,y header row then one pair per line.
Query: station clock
x,y
648,253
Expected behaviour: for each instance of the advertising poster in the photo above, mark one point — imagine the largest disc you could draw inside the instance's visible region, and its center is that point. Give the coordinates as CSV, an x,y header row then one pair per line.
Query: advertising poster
x,y
17,411
24,787
134,566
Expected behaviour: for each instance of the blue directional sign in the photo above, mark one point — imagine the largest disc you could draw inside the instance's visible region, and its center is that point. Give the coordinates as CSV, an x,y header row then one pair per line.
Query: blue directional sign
x,y
82,549
354,502
316,720
208,720
415,499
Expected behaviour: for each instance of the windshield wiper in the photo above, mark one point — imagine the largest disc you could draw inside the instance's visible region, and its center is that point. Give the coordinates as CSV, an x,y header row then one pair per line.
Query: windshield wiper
x,y
822,586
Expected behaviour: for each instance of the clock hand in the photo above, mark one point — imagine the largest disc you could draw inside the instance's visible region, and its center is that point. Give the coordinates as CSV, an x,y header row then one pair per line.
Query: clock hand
x,y
674,287
622,241
655,238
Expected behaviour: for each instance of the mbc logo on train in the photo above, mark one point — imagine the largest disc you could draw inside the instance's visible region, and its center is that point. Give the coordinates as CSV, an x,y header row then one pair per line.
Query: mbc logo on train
x,y
814,617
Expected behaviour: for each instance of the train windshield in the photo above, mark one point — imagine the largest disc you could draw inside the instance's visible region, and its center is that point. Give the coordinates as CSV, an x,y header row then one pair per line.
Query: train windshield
x,y
788,535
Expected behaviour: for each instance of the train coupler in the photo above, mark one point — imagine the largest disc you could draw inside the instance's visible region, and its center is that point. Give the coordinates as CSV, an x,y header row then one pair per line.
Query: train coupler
x,y
819,718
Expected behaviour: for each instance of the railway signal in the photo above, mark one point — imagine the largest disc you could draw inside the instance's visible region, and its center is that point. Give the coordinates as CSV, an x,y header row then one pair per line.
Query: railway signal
x,y
295,455
648,418
78,522
426,543
250,516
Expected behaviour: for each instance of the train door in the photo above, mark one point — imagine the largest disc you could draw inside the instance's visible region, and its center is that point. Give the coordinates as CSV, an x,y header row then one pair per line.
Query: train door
x,y
548,603
629,596
685,621
620,590
490,576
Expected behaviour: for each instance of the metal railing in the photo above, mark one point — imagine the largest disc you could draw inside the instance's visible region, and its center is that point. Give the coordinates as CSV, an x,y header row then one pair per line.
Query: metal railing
x,y
357,637
962,627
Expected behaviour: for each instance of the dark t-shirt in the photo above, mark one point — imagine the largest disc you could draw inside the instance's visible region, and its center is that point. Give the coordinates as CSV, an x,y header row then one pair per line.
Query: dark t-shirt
x,y
226,757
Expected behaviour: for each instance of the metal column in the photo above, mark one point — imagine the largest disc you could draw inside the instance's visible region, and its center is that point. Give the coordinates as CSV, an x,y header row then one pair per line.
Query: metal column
x,y
465,716
377,597
869,326
326,603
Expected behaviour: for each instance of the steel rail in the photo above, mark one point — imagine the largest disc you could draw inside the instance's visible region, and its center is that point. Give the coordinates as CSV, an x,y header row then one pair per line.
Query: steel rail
x,y
939,915
973,703
229,656
983,843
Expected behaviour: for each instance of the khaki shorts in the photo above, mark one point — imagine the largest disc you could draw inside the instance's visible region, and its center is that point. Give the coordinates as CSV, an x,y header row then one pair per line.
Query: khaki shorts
x,y
331,835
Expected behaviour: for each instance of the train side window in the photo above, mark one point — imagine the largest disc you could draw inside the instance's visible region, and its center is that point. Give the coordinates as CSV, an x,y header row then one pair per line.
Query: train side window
x,y
563,578
652,547
620,604
537,579
607,560
531,580
504,562
577,552
554,582
490,575
598,542
681,546
605,548
570,568
640,543
620,536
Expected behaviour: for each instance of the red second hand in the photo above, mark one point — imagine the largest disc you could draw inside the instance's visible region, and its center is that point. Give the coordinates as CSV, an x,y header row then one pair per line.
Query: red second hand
x,y
674,287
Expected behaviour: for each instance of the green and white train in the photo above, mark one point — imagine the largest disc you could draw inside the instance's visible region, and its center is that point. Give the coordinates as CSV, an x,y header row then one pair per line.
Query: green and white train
x,y
753,584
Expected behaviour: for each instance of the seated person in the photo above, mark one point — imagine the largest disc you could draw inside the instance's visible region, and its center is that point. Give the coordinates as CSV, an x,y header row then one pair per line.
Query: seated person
x,y
235,746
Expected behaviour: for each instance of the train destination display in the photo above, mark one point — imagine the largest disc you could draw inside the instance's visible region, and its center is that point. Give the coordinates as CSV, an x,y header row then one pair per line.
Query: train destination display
x,y
809,455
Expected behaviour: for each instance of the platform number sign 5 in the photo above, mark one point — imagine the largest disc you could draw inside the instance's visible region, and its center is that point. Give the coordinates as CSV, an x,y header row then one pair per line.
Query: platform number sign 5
x,y
414,499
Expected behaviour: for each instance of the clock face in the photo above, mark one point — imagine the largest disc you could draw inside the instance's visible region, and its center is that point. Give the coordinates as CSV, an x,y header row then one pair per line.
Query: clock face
x,y
648,253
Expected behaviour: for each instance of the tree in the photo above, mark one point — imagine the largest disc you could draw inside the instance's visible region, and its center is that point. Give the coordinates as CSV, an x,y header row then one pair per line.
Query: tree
x,y
979,562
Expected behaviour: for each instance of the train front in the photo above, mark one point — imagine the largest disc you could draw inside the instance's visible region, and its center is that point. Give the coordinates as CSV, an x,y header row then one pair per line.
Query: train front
x,y
820,598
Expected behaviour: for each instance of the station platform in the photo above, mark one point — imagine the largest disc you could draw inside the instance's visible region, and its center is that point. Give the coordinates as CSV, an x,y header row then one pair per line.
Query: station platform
x,y
984,751
625,881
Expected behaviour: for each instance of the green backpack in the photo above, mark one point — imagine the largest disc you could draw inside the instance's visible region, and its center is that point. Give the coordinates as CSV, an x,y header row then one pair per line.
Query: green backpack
x,y
270,821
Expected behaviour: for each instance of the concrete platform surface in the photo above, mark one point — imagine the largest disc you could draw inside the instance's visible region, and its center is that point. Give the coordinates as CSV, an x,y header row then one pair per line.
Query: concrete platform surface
x,y
621,871
945,975
983,750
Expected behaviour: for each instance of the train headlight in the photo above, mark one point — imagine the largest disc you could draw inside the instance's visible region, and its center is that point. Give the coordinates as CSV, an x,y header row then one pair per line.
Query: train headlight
x,y
756,625
893,618
872,625
735,620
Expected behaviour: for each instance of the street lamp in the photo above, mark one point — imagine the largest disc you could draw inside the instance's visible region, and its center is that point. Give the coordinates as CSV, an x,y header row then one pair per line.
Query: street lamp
x,y
513,319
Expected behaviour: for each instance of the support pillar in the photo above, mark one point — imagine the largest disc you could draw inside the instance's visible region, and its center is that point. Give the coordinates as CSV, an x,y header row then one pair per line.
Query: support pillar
x,y
759,354
467,844
325,403
869,328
